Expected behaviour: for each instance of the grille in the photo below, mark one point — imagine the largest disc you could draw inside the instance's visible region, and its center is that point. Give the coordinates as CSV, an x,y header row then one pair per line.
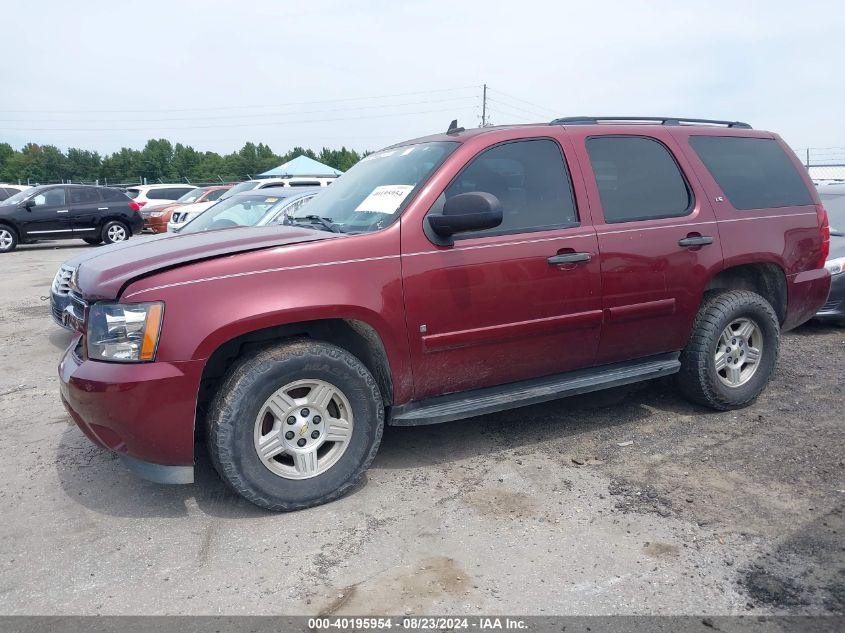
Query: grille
x,y
61,283
178,217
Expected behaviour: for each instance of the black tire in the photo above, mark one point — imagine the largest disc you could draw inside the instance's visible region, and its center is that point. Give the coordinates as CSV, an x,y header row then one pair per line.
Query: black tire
x,y
93,241
251,381
8,238
105,234
698,378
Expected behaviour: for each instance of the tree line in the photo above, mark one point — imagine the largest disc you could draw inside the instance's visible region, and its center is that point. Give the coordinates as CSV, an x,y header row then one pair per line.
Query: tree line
x,y
159,160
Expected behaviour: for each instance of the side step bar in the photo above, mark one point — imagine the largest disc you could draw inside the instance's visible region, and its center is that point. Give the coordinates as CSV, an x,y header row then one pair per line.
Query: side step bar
x,y
456,406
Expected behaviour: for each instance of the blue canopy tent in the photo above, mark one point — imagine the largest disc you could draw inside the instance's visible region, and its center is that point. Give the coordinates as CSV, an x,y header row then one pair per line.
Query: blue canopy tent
x,y
301,166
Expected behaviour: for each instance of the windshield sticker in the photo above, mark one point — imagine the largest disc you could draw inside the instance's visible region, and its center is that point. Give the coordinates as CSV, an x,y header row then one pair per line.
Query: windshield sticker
x,y
384,199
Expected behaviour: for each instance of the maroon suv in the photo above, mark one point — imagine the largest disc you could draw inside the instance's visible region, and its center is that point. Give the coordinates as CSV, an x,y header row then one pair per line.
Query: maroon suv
x,y
443,278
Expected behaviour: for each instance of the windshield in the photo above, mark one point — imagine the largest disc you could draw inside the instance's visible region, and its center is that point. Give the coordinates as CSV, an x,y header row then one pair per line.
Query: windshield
x,y
192,196
18,197
249,185
244,210
372,194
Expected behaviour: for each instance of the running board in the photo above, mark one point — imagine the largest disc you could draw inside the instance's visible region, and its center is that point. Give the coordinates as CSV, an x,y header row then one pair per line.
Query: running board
x,y
456,406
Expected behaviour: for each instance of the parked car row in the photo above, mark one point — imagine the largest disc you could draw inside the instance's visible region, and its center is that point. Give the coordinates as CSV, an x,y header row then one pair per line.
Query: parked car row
x,y
443,278
157,216
93,214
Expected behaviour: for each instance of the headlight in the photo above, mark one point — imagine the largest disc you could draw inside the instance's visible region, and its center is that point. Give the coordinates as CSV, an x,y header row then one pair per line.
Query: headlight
x,y
124,332
156,214
835,266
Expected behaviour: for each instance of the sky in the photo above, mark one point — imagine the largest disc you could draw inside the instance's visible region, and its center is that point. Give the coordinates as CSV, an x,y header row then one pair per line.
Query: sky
x,y
214,74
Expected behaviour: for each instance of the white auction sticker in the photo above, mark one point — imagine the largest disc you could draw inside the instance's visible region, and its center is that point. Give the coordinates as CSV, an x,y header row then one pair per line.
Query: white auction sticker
x,y
384,199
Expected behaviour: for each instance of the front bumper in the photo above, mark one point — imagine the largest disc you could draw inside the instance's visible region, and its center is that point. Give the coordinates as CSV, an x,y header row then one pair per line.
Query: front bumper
x,y
156,225
58,303
834,308
144,412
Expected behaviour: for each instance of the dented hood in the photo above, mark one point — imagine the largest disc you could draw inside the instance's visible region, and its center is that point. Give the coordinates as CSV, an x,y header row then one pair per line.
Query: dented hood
x,y
107,270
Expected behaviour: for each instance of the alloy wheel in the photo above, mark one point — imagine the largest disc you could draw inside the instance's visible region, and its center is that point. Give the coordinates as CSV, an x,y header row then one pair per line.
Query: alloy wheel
x,y
738,352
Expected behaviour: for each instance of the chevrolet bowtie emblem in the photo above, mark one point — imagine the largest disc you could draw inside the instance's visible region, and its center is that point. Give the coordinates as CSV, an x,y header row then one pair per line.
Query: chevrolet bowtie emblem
x,y
304,429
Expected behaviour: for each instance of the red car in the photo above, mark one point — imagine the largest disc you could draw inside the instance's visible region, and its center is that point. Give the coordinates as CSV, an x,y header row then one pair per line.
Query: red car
x,y
156,217
443,278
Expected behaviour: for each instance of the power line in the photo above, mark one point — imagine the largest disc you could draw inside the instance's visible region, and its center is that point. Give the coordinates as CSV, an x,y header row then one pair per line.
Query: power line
x,y
240,116
510,96
243,107
228,125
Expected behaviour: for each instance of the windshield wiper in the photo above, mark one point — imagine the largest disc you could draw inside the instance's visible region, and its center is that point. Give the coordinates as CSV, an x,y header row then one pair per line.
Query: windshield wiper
x,y
326,223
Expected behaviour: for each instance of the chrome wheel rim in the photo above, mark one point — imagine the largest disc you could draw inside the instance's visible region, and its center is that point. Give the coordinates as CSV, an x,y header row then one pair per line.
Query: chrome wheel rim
x,y
116,233
5,239
738,352
303,429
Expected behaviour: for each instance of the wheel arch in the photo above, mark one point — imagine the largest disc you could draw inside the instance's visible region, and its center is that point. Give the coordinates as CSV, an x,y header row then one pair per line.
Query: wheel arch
x,y
765,278
357,337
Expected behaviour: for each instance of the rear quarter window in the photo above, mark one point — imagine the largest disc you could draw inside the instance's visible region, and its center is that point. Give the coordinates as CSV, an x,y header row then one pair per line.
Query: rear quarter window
x,y
113,195
754,173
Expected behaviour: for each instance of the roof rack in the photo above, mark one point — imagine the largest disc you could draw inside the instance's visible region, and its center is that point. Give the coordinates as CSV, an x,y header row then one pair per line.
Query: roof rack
x,y
663,120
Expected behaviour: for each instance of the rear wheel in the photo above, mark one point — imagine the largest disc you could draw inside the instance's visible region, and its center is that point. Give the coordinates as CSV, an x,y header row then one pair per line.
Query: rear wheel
x,y
295,425
732,350
114,232
8,239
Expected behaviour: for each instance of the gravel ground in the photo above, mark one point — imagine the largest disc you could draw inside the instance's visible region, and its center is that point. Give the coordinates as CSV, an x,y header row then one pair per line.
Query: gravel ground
x,y
541,510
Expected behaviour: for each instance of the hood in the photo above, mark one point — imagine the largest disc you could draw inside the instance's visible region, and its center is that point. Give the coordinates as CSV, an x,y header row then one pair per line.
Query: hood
x,y
196,207
104,273
148,208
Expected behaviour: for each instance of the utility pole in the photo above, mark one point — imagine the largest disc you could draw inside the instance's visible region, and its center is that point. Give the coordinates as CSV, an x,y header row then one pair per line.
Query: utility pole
x,y
484,107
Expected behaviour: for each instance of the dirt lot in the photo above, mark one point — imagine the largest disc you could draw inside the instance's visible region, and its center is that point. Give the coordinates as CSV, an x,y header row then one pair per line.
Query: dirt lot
x,y
532,511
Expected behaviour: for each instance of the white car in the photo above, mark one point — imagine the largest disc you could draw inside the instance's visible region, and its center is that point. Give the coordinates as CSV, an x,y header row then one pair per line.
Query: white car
x,y
158,194
286,181
8,190
186,213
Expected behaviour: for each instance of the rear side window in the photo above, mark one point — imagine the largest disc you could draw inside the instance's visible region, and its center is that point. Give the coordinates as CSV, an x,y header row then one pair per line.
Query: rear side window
x,y
82,196
637,178
5,193
754,173
113,195
133,193
168,193
528,177
214,195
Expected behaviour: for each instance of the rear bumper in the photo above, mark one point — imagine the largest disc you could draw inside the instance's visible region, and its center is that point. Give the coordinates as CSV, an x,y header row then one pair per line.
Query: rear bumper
x,y
806,294
144,412
834,307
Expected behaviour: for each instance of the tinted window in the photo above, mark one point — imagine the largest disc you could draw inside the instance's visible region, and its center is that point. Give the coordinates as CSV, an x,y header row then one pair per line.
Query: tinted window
x,y
274,184
754,173
214,195
529,178
637,178
305,183
168,193
50,198
5,193
113,195
83,195
133,193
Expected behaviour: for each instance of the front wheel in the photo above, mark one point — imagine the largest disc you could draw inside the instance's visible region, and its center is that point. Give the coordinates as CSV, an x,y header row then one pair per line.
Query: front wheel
x,y
114,232
295,425
732,351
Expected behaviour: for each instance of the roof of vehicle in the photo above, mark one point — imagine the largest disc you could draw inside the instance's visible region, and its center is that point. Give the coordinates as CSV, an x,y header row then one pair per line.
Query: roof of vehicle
x,y
831,188
458,134
281,192
163,185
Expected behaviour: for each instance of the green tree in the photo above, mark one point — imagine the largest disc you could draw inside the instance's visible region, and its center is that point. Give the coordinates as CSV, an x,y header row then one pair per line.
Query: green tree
x,y
83,164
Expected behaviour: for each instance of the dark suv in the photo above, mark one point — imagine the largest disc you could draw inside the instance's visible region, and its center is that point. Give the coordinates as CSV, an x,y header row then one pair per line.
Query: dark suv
x,y
443,278
61,212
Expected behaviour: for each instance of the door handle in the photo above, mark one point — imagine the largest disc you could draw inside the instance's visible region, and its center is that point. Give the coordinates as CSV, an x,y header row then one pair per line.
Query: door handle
x,y
700,240
569,258
62,211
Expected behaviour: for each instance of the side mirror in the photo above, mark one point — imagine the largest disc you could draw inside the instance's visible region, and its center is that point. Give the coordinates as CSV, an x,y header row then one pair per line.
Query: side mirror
x,y
473,211
29,204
